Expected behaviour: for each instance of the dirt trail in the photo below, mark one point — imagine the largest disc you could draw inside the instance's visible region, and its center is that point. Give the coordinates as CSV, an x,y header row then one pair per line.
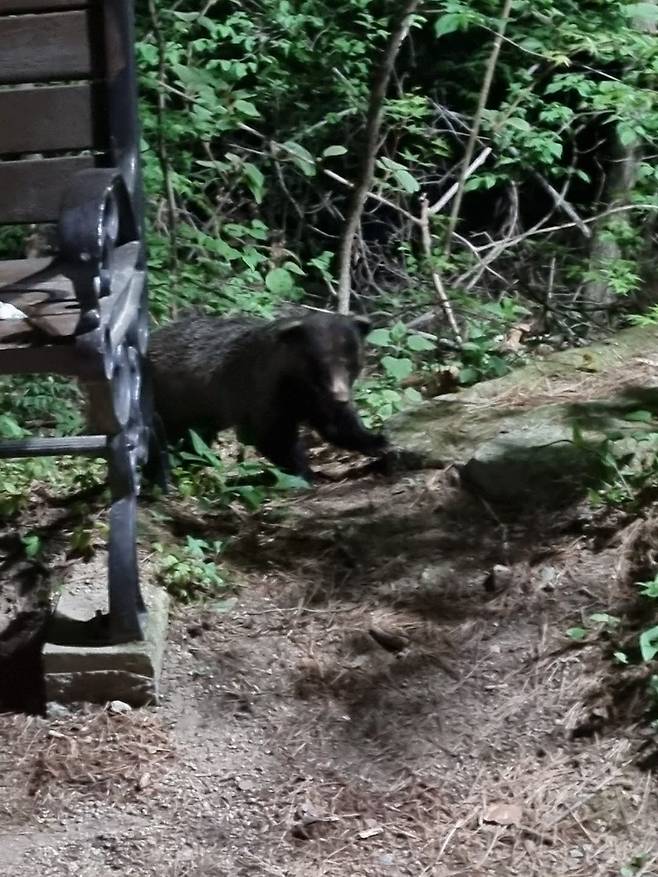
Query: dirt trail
x,y
293,741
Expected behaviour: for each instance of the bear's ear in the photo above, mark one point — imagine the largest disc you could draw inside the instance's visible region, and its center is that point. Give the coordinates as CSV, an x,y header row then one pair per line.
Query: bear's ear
x,y
290,330
362,323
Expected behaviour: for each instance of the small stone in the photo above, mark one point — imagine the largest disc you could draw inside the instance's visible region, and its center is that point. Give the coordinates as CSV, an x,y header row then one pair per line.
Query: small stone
x,y
370,832
503,813
119,707
56,710
502,576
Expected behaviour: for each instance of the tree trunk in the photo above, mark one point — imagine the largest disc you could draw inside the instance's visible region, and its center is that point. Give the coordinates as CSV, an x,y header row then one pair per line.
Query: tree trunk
x,y
604,250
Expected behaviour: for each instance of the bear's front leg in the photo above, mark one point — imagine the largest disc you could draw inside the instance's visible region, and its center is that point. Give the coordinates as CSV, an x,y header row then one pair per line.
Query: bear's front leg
x,y
283,447
343,428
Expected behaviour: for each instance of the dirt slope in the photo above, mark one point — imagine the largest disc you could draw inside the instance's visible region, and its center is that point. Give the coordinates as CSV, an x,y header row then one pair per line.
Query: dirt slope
x,y
292,740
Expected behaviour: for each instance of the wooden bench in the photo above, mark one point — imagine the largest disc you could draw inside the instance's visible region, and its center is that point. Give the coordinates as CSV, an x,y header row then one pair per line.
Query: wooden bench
x,y
69,155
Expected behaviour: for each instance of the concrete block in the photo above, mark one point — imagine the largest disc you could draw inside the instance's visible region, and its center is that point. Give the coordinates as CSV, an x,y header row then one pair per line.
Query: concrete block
x,y
127,671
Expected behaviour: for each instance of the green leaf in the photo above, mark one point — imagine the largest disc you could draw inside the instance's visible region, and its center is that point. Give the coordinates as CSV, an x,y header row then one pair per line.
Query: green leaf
x,y
448,23
645,12
468,375
639,416
604,618
247,108
649,644
406,180
398,331
334,150
294,268
419,342
305,160
279,281
649,589
627,135
398,367
411,394
256,180
200,447
576,633
621,657
379,337
9,428
32,545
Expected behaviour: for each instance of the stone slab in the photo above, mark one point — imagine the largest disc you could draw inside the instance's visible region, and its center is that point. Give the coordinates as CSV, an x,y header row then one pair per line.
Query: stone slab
x,y
542,433
126,671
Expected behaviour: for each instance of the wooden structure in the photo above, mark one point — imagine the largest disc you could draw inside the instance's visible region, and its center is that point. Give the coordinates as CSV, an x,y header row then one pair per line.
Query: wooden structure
x,y
69,155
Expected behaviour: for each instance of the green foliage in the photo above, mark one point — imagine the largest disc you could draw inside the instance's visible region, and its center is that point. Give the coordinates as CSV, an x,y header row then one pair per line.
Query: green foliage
x,y
191,570
29,403
32,545
253,123
595,623
20,477
253,133
636,865
629,467
402,351
201,473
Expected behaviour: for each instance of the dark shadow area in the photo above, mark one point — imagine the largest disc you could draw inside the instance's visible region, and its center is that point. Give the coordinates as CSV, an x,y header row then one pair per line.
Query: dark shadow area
x,y
602,415
25,601
22,686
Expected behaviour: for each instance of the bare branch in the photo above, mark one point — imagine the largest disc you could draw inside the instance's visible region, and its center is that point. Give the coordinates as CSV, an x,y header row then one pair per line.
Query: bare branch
x,y
444,301
375,197
562,204
452,191
373,128
477,121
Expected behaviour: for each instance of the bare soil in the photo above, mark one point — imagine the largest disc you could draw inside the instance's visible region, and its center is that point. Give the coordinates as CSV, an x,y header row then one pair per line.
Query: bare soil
x,y
392,694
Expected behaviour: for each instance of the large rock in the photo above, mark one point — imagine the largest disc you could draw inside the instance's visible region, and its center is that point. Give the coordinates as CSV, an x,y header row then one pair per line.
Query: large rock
x,y
545,431
127,672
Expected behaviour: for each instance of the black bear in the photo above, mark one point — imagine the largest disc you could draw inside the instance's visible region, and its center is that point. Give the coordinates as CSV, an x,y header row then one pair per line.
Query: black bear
x,y
265,379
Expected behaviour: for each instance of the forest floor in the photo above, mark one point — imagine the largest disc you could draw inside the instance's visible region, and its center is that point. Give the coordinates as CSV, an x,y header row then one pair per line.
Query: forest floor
x,y
378,701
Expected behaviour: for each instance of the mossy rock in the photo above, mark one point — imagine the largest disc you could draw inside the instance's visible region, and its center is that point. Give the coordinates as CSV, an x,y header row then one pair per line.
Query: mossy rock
x,y
539,433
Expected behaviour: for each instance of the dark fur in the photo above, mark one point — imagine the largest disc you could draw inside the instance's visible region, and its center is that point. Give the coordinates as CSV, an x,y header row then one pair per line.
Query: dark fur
x,y
265,379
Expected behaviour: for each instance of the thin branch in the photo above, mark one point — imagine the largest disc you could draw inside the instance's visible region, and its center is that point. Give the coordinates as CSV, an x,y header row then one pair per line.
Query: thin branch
x,y
375,197
550,228
373,128
436,279
477,121
561,203
450,193
497,248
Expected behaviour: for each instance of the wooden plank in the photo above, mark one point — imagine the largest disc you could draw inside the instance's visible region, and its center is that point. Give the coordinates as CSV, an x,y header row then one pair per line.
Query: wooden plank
x,y
57,359
50,118
61,325
15,331
39,48
12,6
17,271
31,191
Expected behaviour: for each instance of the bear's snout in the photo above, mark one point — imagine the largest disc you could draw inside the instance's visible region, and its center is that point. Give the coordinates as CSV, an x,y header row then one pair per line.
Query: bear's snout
x,y
340,387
